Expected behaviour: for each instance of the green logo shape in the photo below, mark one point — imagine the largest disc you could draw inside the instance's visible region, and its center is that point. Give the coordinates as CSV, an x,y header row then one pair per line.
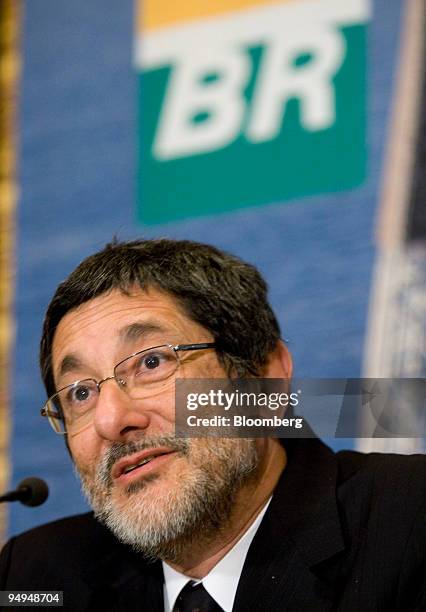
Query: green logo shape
x,y
251,125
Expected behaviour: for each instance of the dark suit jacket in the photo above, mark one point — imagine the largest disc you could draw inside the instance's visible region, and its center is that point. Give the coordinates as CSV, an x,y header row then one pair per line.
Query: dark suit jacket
x,y
343,532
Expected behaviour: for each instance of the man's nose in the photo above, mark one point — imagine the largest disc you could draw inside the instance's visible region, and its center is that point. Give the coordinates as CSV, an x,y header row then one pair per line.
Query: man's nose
x,y
116,415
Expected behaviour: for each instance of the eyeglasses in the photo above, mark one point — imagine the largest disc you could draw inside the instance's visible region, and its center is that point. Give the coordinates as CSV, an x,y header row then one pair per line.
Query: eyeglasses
x,y
140,374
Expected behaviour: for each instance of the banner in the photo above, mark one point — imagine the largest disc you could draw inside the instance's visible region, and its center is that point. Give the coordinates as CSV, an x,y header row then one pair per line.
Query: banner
x,y
396,337
247,103
9,67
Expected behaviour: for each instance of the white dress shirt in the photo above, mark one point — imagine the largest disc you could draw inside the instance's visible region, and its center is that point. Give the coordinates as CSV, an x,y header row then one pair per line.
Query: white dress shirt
x,y
222,581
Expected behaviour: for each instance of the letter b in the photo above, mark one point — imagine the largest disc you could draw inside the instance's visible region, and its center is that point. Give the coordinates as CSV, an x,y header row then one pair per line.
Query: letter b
x,y
191,92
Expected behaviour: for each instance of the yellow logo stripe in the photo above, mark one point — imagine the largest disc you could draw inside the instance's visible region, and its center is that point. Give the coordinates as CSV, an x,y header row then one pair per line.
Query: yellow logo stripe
x,y
155,14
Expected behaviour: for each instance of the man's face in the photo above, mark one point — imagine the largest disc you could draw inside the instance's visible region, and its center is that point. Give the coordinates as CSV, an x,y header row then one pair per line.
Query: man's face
x,y
157,505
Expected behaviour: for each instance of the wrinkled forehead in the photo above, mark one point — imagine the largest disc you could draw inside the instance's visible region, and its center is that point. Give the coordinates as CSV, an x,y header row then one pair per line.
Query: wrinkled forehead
x,y
114,322
116,305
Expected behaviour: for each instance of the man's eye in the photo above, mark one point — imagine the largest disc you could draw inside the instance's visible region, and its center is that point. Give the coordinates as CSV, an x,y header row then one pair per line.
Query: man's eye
x,y
78,395
156,362
152,361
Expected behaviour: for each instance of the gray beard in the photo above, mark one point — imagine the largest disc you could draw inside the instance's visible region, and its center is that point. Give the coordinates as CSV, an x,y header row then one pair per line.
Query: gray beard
x,y
191,513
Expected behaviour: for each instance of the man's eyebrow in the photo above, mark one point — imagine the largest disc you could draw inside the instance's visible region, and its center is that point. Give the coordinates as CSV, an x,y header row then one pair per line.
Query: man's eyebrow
x,y
136,331
68,364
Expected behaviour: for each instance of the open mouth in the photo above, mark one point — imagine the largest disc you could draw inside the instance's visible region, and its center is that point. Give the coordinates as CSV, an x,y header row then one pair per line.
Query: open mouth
x,y
143,463
132,467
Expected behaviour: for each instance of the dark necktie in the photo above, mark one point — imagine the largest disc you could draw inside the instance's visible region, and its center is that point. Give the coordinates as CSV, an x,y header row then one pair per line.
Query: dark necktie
x,y
194,598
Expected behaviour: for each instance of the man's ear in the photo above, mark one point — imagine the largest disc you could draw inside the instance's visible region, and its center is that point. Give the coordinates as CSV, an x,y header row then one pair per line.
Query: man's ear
x,y
280,363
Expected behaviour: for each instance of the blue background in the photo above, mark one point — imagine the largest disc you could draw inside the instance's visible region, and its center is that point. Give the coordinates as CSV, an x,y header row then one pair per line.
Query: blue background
x,y
78,132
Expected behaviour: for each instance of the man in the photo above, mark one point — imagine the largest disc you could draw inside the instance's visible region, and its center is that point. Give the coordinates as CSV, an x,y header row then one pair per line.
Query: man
x,y
203,523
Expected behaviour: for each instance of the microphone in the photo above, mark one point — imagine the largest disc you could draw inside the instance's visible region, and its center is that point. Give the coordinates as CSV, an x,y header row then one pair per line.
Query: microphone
x,y
31,491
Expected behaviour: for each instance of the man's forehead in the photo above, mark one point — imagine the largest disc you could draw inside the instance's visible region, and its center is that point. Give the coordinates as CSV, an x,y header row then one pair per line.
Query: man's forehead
x,y
116,302
128,334
117,319
130,297
126,315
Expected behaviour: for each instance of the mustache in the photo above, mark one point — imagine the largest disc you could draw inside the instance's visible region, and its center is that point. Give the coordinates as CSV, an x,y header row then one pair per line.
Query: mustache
x,y
118,450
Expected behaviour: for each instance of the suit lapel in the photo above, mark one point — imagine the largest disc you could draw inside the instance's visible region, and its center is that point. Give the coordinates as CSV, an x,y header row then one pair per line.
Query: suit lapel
x,y
300,529
123,580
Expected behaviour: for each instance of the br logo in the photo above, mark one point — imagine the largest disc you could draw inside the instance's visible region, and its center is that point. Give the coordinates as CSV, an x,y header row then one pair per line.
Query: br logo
x,y
243,102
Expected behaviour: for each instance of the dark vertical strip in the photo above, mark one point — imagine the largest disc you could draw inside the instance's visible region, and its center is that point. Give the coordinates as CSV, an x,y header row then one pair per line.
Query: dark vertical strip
x,y
416,226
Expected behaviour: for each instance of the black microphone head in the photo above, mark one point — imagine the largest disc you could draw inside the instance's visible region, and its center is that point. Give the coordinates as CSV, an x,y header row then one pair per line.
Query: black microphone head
x,y
34,491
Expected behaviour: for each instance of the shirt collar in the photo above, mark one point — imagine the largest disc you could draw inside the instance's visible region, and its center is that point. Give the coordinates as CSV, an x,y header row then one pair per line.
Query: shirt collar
x,y
222,581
